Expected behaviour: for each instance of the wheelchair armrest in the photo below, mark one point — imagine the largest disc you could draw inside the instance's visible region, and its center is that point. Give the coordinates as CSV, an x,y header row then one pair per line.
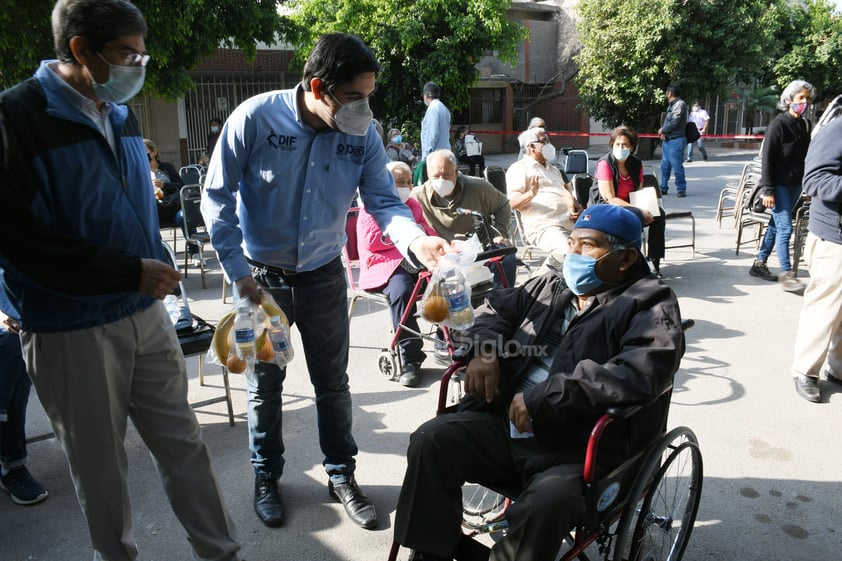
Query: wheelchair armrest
x,y
611,414
498,252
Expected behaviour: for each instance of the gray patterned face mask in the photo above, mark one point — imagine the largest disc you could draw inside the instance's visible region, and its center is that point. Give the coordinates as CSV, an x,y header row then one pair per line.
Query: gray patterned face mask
x,y
353,118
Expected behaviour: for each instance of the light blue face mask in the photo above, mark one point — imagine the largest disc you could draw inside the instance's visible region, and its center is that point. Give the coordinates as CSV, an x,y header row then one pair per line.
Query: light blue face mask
x,y
397,139
621,154
580,273
123,82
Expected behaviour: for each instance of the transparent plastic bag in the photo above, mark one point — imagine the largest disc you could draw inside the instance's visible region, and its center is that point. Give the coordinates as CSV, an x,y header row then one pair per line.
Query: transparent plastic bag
x,y
225,351
447,298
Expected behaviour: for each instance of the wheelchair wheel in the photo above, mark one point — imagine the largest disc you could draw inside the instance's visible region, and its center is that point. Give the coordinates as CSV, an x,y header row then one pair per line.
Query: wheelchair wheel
x,y
388,365
481,506
658,517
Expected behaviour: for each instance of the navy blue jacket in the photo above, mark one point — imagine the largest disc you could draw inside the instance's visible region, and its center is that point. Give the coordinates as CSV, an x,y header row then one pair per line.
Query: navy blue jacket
x,y
75,218
823,182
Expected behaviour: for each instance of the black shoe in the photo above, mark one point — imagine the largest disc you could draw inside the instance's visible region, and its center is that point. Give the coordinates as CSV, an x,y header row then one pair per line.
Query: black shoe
x,y
357,505
22,487
409,374
267,501
664,192
808,388
681,194
760,270
831,378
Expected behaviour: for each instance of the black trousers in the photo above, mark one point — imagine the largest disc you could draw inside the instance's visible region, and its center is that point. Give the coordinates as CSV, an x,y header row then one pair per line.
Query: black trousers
x,y
453,448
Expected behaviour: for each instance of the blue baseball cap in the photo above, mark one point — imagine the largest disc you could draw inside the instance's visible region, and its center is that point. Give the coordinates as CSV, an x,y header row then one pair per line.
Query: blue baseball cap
x,y
614,220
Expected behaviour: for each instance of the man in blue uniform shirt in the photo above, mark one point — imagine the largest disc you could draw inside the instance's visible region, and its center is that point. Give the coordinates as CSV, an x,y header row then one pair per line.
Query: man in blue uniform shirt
x,y
279,185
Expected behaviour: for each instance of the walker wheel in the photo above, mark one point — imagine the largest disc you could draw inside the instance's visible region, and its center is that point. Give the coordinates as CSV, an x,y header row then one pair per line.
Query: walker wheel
x,y
388,365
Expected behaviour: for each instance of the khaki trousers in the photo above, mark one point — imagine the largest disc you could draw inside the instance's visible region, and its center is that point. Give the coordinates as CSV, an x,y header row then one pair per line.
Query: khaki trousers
x,y
818,342
90,381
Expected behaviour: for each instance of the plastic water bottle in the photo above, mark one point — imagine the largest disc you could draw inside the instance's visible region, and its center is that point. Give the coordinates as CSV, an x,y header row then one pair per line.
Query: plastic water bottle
x,y
244,332
279,335
171,304
455,290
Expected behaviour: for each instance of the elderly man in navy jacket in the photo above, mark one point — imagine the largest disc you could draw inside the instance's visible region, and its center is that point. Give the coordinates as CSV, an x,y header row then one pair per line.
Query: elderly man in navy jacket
x,y
536,390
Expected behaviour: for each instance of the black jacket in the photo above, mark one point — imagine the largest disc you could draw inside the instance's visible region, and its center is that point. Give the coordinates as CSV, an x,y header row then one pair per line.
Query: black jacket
x,y
624,350
784,149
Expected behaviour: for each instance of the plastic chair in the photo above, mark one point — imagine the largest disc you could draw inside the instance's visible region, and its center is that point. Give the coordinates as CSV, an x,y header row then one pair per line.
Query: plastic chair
x,y
195,232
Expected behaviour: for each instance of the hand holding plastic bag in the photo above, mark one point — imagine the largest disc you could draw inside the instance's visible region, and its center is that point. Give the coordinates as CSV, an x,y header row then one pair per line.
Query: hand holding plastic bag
x,y
447,299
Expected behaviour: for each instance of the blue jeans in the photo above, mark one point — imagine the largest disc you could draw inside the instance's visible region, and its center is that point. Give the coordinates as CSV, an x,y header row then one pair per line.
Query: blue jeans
x,y
672,157
14,394
701,144
780,226
317,303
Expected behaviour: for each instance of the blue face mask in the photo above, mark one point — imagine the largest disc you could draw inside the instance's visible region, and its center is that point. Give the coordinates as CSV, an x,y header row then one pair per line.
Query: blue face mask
x,y
622,154
397,139
580,273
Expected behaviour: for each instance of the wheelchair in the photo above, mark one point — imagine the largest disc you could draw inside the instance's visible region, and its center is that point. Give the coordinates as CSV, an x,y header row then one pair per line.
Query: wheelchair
x,y
643,510
389,360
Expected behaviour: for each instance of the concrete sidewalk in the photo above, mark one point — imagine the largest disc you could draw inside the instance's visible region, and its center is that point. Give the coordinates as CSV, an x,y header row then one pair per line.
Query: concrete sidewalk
x,y
771,487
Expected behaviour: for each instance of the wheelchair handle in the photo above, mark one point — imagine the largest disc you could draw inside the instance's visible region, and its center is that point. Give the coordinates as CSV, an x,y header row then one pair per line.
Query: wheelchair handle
x,y
497,252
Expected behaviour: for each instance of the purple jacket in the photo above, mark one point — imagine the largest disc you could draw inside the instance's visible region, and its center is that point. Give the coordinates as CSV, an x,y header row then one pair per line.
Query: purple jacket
x,y
379,259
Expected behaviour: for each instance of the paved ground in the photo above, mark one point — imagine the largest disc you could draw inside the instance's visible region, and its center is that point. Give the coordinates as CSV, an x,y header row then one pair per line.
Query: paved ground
x,y
771,488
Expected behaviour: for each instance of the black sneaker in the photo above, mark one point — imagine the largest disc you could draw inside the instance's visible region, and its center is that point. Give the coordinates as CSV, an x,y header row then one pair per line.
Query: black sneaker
x,y
760,270
22,487
409,374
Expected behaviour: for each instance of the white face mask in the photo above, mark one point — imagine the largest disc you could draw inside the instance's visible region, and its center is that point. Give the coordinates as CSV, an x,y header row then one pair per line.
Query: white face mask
x,y
403,193
621,154
353,118
548,151
443,187
123,83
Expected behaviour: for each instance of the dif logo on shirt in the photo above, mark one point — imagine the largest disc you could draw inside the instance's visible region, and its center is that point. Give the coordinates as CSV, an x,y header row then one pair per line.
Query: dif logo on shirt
x,y
281,141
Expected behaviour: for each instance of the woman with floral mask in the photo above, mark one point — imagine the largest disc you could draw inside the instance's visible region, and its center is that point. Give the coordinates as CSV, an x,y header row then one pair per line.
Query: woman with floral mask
x,y
384,269
783,151
618,174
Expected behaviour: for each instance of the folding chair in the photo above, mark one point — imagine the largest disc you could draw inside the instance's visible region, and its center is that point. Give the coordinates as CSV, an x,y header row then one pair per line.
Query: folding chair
x,y
523,243
496,175
351,257
195,232
191,174
195,336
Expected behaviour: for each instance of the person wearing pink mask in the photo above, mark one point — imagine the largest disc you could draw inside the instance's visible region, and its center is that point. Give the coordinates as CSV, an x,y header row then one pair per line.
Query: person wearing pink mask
x,y
384,269
783,152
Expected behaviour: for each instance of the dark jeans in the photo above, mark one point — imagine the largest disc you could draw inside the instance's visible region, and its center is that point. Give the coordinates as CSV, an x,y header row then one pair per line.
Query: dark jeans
x,y
317,303
14,394
451,449
399,290
473,162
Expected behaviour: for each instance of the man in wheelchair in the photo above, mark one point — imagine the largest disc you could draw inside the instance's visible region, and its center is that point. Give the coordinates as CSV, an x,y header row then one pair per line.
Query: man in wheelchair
x,y
545,361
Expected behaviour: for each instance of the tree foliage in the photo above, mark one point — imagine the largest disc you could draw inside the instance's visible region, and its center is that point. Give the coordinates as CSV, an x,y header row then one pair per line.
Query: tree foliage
x,y
633,49
181,34
808,46
416,41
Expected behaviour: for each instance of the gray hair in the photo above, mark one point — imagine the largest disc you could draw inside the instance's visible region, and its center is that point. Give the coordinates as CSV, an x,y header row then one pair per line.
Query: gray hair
x,y
792,90
392,166
536,122
445,153
529,136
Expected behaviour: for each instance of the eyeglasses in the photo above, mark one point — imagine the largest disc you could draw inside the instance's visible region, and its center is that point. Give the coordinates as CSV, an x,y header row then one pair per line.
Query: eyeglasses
x,y
130,58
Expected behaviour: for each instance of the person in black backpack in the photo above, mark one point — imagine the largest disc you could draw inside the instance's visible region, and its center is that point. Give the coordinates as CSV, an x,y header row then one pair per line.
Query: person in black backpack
x,y
674,142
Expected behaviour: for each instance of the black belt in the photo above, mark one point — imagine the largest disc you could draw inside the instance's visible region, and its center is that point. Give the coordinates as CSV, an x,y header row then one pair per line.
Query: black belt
x,y
285,272
674,137
271,269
